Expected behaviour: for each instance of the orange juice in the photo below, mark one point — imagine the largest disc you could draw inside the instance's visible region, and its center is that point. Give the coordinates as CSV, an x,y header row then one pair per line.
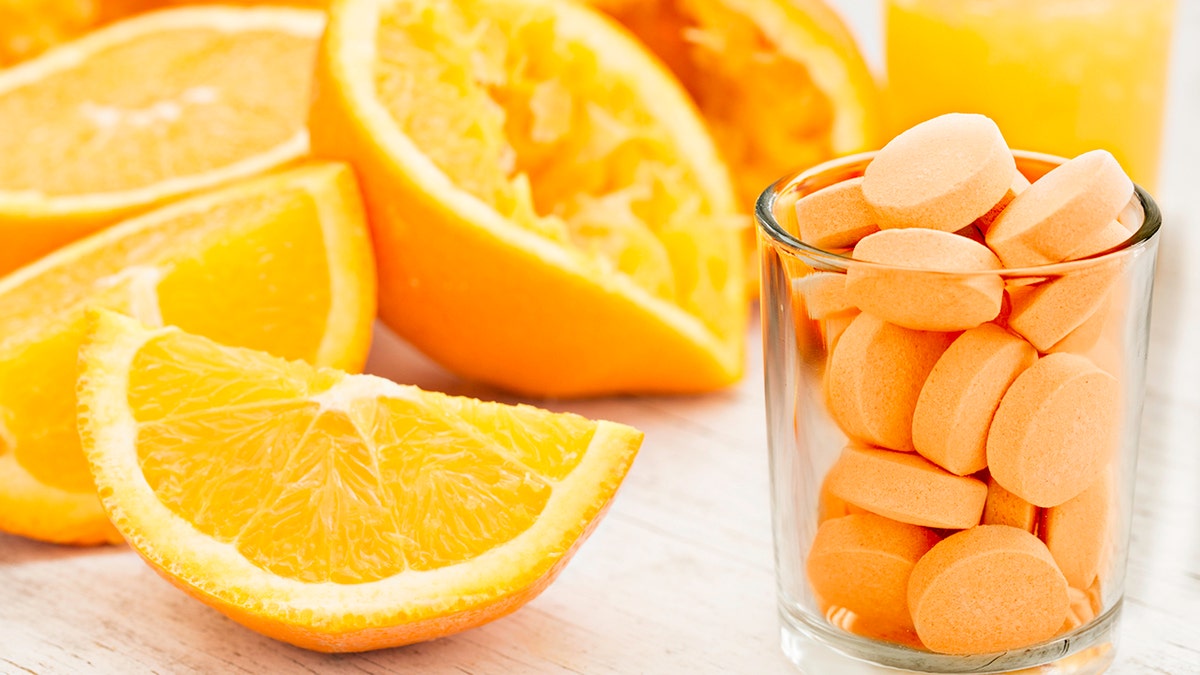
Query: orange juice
x,y
1058,76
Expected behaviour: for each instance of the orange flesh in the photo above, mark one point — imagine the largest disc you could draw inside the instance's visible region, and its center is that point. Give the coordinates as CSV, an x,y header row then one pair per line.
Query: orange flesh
x,y
727,63
126,135
335,490
177,269
552,143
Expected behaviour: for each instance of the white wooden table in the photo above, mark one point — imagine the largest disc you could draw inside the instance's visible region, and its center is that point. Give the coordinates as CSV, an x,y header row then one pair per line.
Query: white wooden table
x,y
678,578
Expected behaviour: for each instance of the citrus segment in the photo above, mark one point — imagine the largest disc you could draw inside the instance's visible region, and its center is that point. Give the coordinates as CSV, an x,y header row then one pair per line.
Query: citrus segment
x,y
535,177
281,263
220,94
336,512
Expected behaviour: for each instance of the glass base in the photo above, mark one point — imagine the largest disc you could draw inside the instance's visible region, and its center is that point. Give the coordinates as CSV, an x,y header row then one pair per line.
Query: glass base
x,y
817,648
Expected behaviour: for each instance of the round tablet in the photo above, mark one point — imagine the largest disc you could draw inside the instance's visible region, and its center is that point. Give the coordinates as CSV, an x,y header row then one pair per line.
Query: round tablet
x,y
835,216
1080,610
824,294
1110,236
833,327
1067,206
988,589
1084,337
1020,182
875,375
1046,314
962,392
830,506
1055,430
862,562
1076,532
941,174
1005,508
908,293
907,488
876,629
1133,215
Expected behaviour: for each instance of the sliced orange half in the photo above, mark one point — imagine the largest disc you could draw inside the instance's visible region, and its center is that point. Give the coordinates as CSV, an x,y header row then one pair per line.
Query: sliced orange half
x,y
336,512
549,212
781,83
144,111
280,263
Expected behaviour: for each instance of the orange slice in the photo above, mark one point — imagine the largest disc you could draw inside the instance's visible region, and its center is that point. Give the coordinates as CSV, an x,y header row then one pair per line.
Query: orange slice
x,y
29,27
335,512
781,83
280,263
144,111
549,213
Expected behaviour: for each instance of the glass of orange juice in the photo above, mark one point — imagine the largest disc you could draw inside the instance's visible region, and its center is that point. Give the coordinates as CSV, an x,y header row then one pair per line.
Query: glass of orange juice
x,y
1058,76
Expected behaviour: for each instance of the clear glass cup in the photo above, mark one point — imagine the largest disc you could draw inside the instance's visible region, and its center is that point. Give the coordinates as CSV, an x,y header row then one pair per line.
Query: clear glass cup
x,y
1058,76
805,439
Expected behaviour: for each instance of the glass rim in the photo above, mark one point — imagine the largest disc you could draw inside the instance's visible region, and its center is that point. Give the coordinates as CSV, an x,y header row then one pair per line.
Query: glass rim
x,y
779,237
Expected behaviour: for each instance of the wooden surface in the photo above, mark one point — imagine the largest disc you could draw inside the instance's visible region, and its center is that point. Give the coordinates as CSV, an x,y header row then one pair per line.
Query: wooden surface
x,y
678,578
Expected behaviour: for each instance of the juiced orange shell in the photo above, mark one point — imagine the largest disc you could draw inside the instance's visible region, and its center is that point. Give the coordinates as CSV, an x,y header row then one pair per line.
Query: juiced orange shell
x,y
987,589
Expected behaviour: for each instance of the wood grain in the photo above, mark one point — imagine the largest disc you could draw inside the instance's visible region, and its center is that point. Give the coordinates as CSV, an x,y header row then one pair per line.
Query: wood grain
x,y
679,577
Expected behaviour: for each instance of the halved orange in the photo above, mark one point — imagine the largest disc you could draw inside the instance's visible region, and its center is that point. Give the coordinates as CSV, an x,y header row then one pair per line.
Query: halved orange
x,y
281,263
549,212
336,512
147,110
781,83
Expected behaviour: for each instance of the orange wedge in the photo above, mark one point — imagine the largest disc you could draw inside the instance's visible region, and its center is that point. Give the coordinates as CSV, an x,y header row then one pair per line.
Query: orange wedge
x,y
29,27
335,512
281,263
144,111
781,83
549,213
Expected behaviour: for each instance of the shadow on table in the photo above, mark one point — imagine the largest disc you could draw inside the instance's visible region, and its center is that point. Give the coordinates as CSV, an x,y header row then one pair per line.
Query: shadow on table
x,y
16,550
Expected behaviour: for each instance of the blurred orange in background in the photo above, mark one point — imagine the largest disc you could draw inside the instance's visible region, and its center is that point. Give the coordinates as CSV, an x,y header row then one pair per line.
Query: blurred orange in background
x,y
30,27
145,111
781,84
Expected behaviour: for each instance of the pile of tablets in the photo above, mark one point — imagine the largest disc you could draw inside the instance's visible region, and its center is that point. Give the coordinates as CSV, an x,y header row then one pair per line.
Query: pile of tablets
x,y
970,511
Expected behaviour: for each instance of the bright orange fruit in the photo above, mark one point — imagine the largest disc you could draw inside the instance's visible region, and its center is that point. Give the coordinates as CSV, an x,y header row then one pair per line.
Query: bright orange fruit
x,y
280,263
145,111
781,83
549,212
336,512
